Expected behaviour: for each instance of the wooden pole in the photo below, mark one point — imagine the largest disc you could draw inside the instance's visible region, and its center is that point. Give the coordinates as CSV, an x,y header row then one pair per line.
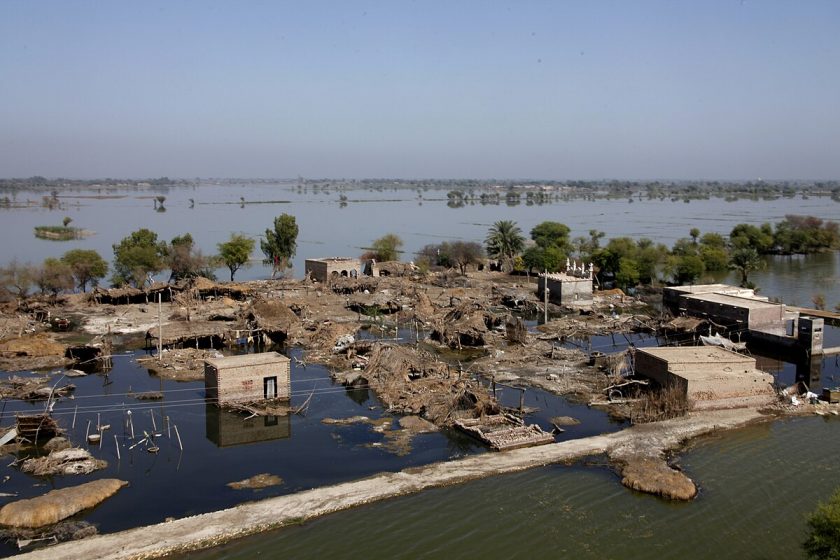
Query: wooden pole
x,y
181,445
75,410
152,414
521,400
160,326
545,297
117,443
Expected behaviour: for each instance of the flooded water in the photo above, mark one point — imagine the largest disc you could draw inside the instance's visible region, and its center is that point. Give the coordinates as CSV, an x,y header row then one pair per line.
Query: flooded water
x,y
756,483
329,227
222,447
756,486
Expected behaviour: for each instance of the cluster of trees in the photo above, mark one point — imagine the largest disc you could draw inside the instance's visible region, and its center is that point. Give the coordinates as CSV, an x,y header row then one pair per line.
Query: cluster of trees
x,y
451,254
629,262
77,268
141,254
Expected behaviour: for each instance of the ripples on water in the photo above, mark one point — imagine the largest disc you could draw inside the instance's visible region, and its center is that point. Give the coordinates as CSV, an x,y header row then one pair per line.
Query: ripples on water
x,y
757,485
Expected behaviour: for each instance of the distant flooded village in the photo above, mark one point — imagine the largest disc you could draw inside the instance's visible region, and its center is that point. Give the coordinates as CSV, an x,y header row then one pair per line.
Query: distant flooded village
x,y
150,391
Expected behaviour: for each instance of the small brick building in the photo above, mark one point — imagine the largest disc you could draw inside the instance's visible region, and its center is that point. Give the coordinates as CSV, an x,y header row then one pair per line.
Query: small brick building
x,y
323,269
247,378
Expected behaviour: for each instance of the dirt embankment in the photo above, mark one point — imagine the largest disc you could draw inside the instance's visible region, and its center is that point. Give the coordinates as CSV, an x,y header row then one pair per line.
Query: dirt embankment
x,y
211,529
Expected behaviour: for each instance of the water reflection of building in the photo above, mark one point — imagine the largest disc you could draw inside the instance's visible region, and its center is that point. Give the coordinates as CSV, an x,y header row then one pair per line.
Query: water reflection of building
x,y
226,429
809,371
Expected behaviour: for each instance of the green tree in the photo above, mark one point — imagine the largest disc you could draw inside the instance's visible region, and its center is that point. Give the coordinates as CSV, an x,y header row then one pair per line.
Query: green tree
x,y
688,269
744,260
823,541
504,241
280,244
805,234
86,265
66,221
747,235
543,258
694,233
386,248
54,277
235,252
650,258
136,256
712,239
684,247
628,274
551,234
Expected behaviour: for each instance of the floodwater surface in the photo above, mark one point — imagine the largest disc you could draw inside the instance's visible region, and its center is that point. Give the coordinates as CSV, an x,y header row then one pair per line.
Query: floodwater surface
x,y
221,447
757,486
330,227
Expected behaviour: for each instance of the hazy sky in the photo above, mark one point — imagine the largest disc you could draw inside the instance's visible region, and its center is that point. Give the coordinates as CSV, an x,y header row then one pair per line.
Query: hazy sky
x,y
560,90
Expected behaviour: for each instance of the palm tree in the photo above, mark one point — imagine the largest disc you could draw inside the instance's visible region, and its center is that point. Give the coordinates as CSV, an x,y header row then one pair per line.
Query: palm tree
x,y
504,241
744,261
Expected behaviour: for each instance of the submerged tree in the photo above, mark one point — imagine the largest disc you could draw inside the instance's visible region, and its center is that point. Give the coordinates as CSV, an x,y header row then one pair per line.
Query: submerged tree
x,y
744,260
235,252
87,266
280,244
504,241
823,540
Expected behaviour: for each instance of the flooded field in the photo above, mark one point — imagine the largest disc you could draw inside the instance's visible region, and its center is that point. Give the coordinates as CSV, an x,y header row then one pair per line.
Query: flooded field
x,y
331,226
220,447
757,486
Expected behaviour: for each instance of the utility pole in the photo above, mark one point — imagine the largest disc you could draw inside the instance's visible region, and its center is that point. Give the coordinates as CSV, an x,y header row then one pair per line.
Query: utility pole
x,y
545,296
160,326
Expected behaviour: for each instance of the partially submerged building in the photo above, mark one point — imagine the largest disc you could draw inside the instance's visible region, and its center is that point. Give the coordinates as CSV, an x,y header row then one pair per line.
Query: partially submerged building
x,y
739,311
324,269
727,306
247,378
709,376
572,287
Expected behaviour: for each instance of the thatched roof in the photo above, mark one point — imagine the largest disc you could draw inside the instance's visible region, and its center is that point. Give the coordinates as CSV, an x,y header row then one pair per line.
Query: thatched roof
x,y
272,315
465,325
187,331
205,287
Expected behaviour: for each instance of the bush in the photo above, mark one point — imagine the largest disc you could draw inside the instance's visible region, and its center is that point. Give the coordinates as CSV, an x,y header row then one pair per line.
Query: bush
x,y
824,530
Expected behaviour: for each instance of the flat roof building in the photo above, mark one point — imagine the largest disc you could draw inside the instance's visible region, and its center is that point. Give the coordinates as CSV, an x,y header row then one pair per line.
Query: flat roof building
x,y
247,378
711,377
728,306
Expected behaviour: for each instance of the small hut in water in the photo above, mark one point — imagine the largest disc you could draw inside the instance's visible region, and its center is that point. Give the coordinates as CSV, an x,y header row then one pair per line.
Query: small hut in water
x,y
247,378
